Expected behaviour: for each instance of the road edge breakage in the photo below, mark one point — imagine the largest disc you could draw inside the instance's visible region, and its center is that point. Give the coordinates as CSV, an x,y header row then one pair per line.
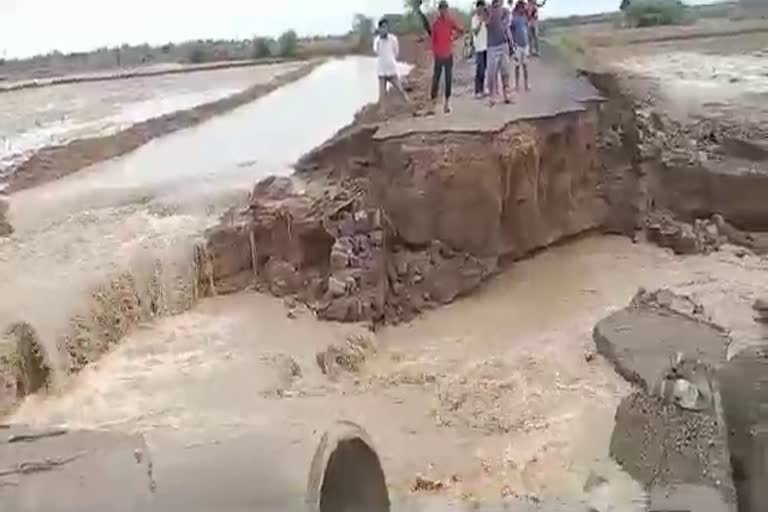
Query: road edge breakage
x,y
379,228
54,162
693,430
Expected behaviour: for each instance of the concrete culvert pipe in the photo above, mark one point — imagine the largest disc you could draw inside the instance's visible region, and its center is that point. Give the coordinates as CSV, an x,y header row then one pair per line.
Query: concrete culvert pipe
x,y
263,470
346,474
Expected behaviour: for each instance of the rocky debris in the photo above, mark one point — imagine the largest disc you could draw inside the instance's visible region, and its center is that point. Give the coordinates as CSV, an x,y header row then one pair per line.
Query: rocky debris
x,y
112,471
744,382
701,237
5,227
357,282
646,343
761,309
659,444
421,280
667,301
335,360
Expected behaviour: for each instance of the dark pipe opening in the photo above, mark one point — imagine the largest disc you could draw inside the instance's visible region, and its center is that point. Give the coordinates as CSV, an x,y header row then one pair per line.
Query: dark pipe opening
x,y
354,480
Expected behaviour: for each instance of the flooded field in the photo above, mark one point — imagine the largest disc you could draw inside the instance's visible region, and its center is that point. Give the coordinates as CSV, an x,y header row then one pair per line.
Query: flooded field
x,y
38,117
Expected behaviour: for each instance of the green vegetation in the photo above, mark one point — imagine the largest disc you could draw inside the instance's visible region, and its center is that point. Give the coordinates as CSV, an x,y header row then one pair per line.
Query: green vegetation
x,y
362,29
197,55
288,43
262,47
651,13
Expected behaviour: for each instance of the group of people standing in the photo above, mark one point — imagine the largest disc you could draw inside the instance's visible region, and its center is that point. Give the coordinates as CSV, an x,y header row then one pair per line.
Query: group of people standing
x,y
498,33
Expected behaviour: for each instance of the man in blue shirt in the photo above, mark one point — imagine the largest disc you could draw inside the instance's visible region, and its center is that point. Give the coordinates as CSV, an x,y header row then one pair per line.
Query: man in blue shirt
x,y
521,51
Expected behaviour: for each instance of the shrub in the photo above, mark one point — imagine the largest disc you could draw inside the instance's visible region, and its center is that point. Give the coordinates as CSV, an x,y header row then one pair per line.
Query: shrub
x,y
197,55
288,43
262,48
362,26
650,13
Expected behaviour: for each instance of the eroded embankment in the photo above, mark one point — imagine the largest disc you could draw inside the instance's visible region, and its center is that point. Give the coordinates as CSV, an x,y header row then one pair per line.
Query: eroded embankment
x,y
38,352
379,229
54,162
690,186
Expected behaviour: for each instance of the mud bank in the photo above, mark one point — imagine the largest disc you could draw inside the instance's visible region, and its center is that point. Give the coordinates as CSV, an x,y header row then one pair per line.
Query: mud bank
x,y
693,183
54,162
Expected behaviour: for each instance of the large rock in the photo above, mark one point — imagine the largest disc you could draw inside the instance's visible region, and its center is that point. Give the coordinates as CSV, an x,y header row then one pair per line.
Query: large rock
x,y
744,381
76,471
490,194
642,343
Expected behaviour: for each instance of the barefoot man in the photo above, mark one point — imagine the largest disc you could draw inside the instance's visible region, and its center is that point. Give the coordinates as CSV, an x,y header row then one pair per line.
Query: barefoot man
x,y
387,49
521,50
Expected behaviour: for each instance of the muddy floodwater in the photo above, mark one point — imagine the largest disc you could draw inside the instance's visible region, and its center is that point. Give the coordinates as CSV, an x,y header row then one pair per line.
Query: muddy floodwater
x,y
498,391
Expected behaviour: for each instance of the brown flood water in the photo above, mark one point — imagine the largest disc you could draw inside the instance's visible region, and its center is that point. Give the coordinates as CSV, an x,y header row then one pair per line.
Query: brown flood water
x,y
494,391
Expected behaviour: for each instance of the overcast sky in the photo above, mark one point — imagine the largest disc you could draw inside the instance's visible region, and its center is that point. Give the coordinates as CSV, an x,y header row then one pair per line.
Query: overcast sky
x,y
29,27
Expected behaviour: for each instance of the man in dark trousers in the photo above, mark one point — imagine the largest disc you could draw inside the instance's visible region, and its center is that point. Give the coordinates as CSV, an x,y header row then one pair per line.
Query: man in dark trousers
x,y
442,32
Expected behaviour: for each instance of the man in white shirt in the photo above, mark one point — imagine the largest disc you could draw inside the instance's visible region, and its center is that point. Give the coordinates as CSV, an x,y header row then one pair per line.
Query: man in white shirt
x,y
480,40
387,49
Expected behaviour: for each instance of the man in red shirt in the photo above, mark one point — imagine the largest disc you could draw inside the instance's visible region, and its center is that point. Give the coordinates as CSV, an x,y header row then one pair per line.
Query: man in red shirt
x,y
442,31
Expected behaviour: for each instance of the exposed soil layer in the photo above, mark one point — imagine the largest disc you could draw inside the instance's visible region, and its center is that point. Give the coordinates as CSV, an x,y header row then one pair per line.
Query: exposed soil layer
x,y
54,162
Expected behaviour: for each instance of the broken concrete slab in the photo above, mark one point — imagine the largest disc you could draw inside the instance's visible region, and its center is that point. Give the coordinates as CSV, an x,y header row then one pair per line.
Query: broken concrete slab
x,y
744,381
661,444
641,343
690,498
73,471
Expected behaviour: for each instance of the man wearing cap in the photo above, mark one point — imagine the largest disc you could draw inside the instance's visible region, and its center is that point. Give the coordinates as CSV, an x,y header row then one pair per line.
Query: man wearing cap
x,y
442,31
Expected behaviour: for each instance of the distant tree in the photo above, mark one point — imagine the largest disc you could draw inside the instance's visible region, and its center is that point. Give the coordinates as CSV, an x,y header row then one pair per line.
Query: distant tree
x,y
288,43
624,5
362,26
197,55
262,48
650,13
